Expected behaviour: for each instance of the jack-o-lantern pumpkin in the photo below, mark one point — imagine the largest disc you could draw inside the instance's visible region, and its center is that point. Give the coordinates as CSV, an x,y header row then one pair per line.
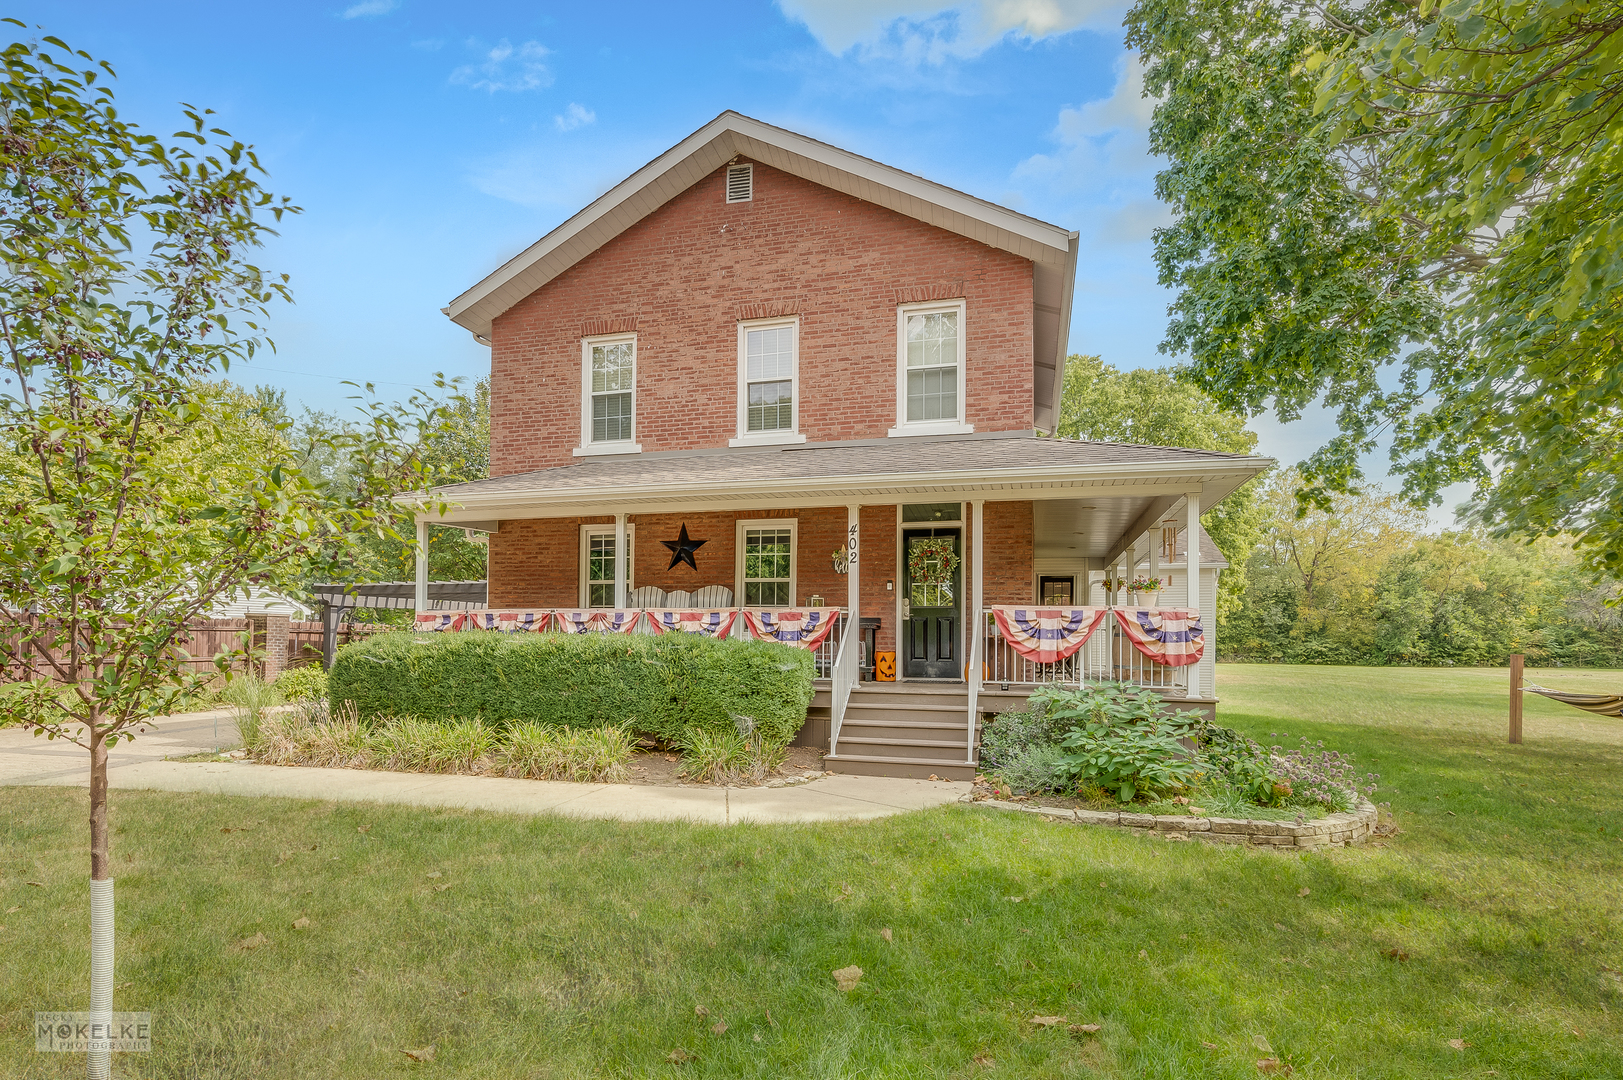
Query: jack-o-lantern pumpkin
x,y
885,665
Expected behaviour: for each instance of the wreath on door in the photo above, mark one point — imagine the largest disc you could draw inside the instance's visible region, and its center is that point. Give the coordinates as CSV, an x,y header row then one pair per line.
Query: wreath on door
x,y
932,561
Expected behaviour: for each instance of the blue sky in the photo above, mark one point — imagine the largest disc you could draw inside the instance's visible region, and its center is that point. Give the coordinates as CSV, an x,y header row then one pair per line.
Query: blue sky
x,y
429,141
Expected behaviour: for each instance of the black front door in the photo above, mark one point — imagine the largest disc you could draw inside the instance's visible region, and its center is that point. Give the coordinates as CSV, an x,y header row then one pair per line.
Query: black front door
x,y
931,603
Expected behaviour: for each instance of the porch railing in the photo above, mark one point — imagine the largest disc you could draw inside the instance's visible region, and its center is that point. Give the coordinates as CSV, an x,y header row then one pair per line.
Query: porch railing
x,y
844,677
1108,656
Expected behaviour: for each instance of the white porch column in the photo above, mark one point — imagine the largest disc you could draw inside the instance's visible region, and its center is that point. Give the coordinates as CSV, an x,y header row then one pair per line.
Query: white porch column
x,y
619,562
976,621
853,583
421,594
1192,583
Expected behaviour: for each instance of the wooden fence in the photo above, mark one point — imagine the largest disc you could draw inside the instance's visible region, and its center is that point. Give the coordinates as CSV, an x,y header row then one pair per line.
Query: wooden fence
x,y
202,640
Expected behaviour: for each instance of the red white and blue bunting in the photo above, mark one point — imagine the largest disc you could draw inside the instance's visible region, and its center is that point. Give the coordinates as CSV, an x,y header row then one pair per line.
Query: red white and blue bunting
x,y
595,622
1047,635
1171,637
716,624
806,629
439,620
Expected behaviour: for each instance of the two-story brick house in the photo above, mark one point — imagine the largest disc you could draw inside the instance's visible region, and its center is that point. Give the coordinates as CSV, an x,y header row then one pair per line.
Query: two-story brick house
x,y
784,353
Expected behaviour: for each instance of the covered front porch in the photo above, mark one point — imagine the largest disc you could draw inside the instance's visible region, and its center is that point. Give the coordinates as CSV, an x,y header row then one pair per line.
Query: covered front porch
x,y
904,550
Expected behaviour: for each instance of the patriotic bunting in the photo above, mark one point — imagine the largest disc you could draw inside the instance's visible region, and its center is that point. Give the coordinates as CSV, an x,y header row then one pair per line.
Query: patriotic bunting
x,y
716,624
439,620
595,622
1171,637
806,629
1047,635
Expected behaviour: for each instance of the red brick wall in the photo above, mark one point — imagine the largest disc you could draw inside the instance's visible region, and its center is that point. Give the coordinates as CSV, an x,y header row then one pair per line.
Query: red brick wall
x,y
1009,559
684,276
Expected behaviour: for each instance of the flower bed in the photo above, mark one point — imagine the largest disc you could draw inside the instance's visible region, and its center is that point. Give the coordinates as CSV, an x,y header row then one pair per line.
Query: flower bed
x,y
1116,748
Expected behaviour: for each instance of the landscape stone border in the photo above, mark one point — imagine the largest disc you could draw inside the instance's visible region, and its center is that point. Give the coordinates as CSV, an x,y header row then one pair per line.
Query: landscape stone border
x,y
1336,830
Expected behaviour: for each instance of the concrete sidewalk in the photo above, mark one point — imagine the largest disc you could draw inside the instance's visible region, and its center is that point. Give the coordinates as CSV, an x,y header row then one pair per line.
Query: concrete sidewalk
x,y
25,760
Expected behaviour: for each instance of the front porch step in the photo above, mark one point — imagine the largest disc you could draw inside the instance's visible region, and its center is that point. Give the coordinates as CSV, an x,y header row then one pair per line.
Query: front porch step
x,y
907,767
933,749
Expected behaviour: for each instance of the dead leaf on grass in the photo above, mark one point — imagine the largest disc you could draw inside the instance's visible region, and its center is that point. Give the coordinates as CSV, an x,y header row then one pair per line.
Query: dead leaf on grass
x,y
1207,1045
1084,1029
14,909
756,1036
719,1028
1397,954
1274,1066
1046,1021
249,944
678,1056
1262,1044
1458,1044
700,1011
1303,891
35,884
435,874
1014,899
984,1060
301,923
424,1054
845,894
1143,954
770,1022
887,935
363,828
846,978
442,887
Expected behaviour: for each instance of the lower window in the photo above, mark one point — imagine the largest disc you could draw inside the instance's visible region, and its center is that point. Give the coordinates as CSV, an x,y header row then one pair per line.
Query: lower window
x,y
769,567
597,570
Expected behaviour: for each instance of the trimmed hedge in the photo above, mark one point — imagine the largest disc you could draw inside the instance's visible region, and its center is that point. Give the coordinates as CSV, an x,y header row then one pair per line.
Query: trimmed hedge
x,y
658,685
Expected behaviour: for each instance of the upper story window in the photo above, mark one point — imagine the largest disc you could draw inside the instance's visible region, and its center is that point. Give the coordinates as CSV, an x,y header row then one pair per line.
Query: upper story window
x,y
609,404
768,382
930,369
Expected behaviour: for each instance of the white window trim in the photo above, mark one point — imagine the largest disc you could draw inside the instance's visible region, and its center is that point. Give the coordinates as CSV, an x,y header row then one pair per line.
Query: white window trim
x,y
766,438
585,548
587,447
931,427
743,525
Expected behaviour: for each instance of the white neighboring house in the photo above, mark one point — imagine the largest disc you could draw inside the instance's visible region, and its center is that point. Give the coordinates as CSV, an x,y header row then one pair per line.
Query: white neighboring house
x,y
260,601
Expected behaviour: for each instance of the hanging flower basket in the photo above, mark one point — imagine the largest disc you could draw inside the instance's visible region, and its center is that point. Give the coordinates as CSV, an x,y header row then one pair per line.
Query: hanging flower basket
x,y
933,561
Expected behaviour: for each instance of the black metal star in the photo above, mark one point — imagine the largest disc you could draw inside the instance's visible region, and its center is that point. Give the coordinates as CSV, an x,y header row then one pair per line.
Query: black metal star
x,y
682,548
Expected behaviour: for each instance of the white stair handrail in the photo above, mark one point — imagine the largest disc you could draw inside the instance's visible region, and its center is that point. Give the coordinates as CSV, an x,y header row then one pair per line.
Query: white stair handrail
x,y
844,677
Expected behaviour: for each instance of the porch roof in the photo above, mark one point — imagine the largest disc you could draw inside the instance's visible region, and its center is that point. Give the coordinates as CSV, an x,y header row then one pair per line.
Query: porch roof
x,y
995,466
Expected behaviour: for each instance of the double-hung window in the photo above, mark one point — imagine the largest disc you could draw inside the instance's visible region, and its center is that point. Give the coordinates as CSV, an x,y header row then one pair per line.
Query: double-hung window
x,y
766,562
930,369
597,565
768,378
608,422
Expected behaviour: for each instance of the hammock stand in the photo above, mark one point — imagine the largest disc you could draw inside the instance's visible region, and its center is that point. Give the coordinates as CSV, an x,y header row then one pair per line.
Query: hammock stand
x,y
1599,704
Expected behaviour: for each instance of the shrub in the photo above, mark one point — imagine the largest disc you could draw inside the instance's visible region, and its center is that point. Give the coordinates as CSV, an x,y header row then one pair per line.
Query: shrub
x,y
307,683
728,757
250,698
1012,734
584,755
411,744
1036,770
1313,775
1124,738
662,686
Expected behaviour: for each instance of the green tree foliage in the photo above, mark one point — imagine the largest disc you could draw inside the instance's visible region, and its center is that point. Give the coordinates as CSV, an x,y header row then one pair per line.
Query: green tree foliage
x,y
1149,407
129,504
1364,583
1413,212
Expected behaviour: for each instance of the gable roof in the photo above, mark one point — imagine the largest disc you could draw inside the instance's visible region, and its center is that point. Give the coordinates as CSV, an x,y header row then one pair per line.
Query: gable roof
x,y
1051,249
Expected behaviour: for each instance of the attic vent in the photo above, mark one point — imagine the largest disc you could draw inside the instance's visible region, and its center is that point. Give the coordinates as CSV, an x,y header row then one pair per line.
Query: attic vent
x,y
740,183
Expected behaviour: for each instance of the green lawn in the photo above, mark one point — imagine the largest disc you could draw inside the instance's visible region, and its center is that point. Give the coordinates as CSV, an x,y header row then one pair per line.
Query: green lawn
x,y
583,948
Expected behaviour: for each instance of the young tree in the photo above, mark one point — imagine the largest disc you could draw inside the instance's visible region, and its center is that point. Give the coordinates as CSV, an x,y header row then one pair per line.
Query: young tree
x,y
124,289
1415,212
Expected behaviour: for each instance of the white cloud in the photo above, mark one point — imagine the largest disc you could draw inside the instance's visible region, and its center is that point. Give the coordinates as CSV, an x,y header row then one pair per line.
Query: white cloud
x,y
507,67
924,31
1104,151
369,7
573,117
